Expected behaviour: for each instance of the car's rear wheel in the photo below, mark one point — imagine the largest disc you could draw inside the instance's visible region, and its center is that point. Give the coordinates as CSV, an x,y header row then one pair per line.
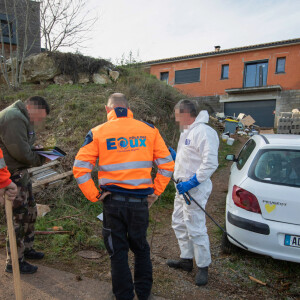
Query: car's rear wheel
x,y
226,246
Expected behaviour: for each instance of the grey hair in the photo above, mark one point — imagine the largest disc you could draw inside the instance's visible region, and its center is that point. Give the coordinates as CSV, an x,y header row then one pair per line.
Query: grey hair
x,y
117,100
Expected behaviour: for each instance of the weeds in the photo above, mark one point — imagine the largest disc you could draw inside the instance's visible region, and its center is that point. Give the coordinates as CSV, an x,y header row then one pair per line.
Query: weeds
x,y
75,109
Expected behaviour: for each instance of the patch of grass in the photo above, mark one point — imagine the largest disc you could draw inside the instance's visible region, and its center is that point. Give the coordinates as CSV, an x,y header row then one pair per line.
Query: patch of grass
x,y
78,216
273,272
225,149
167,197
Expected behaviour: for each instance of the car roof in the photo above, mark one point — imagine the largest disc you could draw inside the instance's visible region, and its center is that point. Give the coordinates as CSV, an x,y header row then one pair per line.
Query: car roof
x,y
280,139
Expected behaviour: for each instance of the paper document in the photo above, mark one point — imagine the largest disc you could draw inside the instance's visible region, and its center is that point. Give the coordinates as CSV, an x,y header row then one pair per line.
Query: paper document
x,y
51,152
51,157
100,217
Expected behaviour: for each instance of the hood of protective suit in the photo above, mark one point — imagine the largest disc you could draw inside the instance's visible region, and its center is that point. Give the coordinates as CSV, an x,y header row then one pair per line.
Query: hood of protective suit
x,y
202,117
197,151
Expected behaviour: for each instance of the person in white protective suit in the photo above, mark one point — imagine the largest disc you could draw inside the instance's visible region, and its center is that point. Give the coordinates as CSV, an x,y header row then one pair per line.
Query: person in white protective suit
x,y
195,162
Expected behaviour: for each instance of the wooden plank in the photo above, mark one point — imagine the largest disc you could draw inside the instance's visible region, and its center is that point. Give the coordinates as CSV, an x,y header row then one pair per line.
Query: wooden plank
x,y
51,179
13,249
53,232
44,175
52,163
256,280
37,172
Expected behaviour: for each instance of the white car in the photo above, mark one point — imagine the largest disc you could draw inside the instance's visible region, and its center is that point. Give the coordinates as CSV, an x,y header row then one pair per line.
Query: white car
x,y
263,200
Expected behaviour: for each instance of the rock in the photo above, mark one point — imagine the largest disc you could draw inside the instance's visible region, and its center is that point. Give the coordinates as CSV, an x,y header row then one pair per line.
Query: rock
x,y
9,63
83,78
101,78
63,79
42,210
114,75
10,78
89,254
78,278
39,67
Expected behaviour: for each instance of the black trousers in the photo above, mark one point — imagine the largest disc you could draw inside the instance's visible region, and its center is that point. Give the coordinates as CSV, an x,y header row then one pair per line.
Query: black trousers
x,y
125,226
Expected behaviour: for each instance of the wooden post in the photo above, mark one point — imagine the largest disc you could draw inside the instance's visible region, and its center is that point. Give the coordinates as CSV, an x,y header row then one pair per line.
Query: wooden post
x,y
13,249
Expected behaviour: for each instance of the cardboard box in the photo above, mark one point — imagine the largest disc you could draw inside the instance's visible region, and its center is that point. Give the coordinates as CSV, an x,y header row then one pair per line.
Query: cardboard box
x,y
248,121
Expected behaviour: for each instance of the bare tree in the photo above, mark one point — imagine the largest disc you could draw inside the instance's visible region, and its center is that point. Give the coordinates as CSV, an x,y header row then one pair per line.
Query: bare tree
x,y
19,35
65,23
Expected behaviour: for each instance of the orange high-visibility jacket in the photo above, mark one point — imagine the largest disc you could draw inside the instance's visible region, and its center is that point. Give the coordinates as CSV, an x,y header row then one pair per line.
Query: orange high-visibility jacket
x,y
4,173
126,149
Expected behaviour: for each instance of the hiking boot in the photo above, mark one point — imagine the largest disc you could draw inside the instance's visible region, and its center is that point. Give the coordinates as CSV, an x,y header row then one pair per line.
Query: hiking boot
x,y
202,276
32,254
185,264
25,268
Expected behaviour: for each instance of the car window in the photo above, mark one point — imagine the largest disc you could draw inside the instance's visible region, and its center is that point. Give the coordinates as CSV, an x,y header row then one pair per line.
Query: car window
x,y
245,153
278,166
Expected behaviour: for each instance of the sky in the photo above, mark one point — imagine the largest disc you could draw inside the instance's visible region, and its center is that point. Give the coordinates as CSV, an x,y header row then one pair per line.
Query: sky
x,y
156,29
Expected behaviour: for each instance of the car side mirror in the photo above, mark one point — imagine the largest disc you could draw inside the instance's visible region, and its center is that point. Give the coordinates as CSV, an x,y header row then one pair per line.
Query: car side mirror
x,y
231,157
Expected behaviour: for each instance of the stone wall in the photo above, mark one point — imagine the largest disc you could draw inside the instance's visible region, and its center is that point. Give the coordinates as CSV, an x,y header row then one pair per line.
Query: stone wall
x,y
210,103
288,100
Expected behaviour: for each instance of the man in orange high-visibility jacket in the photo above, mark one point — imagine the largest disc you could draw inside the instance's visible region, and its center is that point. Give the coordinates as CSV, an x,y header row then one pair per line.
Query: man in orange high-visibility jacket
x,y
6,185
126,149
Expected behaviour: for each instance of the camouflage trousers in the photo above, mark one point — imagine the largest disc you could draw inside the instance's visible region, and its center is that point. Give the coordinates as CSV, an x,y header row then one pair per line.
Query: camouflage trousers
x,y
24,215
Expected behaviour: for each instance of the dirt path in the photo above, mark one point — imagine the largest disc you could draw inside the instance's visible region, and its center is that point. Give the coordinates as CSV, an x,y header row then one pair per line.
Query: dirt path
x,y
49,283
52,284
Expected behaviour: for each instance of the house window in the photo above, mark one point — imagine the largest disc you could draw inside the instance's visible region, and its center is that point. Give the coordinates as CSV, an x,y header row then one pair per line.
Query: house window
x,y
187,76
256,74
164,76
6,27
280,65
225,71
7,30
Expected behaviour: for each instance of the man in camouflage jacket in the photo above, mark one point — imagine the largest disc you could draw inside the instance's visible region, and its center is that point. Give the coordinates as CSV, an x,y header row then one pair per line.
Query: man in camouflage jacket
x,y
17,138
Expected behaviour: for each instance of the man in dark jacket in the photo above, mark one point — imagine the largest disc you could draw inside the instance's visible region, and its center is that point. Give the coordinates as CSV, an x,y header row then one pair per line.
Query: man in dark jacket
x,y
17,138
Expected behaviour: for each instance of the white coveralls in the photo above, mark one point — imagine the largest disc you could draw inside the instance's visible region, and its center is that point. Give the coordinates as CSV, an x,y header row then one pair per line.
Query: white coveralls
x,y
197,153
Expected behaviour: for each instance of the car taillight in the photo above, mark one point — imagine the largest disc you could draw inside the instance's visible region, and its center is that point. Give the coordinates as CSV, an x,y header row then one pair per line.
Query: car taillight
x,y
245,199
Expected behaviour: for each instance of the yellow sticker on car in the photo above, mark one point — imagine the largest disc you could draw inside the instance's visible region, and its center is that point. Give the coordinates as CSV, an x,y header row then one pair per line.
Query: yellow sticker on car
x,y
270,208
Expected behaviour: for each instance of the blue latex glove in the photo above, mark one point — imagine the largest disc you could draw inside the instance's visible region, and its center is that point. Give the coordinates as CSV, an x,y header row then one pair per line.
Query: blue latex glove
x,y
173,153
185,186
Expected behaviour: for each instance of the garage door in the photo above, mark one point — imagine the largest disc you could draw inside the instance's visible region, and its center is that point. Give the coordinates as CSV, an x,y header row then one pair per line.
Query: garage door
x,y
261,111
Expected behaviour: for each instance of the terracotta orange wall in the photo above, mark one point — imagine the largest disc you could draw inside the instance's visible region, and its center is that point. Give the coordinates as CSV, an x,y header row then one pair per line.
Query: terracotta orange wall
x,y
7,49
210,74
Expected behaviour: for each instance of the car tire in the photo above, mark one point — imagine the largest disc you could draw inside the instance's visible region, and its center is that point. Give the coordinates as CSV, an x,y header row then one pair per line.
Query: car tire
x,y
226,246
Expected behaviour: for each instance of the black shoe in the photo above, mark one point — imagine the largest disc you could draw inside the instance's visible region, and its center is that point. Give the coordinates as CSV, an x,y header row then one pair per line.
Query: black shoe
x,y
185,264
25,268
202,276
32,254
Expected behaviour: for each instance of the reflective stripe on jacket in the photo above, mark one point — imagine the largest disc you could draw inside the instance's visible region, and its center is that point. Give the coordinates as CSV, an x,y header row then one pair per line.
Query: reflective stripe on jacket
x,y
126,149
4,173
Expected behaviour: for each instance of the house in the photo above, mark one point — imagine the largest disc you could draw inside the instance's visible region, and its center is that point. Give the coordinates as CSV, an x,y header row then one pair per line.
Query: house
x,y
19,27
260,80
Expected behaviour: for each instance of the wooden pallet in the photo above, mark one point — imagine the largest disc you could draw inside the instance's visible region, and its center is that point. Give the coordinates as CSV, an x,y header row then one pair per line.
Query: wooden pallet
x,y
216,124
48,175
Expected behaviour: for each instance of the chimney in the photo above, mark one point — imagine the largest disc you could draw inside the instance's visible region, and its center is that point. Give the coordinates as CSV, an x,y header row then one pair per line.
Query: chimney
x,y
217,48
